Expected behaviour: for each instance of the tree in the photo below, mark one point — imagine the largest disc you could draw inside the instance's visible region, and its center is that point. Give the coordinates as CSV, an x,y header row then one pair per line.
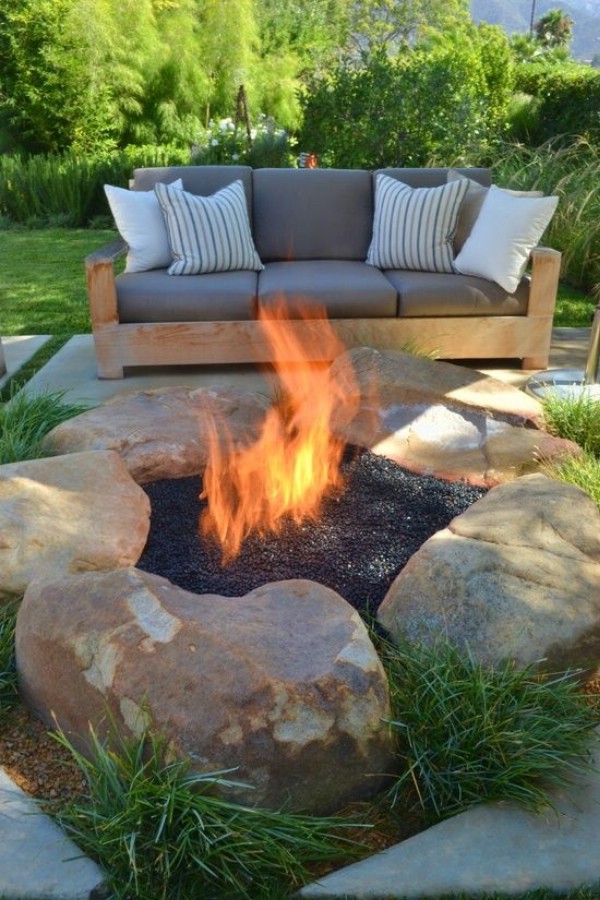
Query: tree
x,y
554,29
391,24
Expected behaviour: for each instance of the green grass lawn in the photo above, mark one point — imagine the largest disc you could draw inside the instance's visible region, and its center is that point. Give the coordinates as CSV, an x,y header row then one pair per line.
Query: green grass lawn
x,y
42,280
42,283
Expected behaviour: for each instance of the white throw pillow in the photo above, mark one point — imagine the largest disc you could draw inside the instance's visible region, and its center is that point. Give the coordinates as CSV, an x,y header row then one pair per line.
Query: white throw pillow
x,y
413,228
507,229
208,234
141,224
471,206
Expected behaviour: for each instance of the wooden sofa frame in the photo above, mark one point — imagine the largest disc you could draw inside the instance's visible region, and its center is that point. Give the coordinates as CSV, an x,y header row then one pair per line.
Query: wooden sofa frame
x,y
194,343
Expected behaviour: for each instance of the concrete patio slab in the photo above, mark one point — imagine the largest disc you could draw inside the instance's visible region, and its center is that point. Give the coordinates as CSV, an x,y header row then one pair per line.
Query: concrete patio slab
x,y
492,848
17,351
37,861
73,370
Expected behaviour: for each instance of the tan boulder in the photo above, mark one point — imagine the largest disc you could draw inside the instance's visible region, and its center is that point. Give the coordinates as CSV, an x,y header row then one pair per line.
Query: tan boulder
x,y
161,433
72,513
282,684
515,576
438,418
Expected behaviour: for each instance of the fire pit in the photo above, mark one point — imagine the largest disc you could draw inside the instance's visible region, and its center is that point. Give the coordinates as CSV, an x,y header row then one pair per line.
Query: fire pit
x,y
366,531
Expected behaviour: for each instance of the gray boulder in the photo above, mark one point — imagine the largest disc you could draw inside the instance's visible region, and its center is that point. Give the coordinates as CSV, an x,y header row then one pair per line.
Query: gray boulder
x,y
283,684
515,576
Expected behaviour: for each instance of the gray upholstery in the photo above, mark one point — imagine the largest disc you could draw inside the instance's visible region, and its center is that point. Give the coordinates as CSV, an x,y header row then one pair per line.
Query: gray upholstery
x,y
438,294
346,288
158,297
201,180
312,213
434,177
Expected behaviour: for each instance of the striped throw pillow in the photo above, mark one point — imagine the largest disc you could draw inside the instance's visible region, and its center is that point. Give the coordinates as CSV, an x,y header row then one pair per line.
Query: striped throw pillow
x,y
208,234
413,228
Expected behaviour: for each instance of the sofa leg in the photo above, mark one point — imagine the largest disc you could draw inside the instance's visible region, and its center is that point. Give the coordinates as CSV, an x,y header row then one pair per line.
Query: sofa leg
x,y
534,362
110,371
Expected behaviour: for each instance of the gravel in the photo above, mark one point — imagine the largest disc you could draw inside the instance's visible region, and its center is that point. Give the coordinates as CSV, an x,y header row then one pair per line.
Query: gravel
x,y
364,536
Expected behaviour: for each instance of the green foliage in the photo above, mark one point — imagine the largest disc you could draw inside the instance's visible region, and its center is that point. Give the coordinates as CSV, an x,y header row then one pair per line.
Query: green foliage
x,y
8,673
27,418
469,734
161,831
567,100
389,25
572,171
583,472
405,110
225,143
575,417
66,189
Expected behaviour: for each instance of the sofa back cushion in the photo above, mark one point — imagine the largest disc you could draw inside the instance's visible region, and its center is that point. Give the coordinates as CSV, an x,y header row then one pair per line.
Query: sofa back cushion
x,y
432,177
312,213
201,180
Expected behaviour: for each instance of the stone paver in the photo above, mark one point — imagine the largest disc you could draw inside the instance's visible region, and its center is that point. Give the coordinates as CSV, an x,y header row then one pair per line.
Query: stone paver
x,y
491,848
37,860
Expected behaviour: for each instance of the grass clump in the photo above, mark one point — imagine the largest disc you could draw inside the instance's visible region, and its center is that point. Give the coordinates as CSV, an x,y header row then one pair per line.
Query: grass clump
x,y
27,418
161,831
8,674
575,417
583,472
467,734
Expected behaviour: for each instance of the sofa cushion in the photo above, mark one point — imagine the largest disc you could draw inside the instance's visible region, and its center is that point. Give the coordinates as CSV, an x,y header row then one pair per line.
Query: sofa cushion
x,y
141,224
219,296
471,205
201,180
346,288
437,294
507,229
413,228
208,234
431,177
312,213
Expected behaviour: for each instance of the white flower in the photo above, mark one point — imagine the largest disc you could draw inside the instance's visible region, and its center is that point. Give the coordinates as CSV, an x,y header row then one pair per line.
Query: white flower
x,y
214,143
235,156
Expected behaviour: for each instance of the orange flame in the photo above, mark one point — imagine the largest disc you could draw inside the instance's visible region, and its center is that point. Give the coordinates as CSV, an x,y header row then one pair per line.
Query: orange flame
x,y
295,459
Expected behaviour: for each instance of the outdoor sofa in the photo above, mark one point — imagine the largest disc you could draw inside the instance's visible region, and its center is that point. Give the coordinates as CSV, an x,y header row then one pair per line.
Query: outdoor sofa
x,y
326,236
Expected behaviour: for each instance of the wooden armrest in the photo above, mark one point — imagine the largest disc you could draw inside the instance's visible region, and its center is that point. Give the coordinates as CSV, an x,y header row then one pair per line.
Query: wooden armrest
x,y
102,292
545,274
107,254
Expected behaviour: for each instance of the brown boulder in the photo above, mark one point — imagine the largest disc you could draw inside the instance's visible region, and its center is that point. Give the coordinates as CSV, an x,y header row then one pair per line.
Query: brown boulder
x,y
70,513
438,418
515,576
282,684
161,433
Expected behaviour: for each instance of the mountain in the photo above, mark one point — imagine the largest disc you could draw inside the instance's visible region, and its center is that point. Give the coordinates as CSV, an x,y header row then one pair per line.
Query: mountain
x,y
515,15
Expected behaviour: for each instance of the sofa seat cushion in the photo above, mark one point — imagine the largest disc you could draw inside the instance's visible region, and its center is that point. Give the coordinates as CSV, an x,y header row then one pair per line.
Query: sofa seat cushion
x,y
312,213
439,294
157,297
347,289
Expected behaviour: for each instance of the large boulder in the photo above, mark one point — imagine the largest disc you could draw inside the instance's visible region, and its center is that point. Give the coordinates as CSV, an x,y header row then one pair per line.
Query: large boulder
x,y
515,576
282,684
438,418
65,514
162,433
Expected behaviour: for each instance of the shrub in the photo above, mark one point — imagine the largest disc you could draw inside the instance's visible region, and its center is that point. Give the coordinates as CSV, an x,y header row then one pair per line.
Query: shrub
x,y
25,420
583,472
161,831
468,734
567,100
227,143
67,188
